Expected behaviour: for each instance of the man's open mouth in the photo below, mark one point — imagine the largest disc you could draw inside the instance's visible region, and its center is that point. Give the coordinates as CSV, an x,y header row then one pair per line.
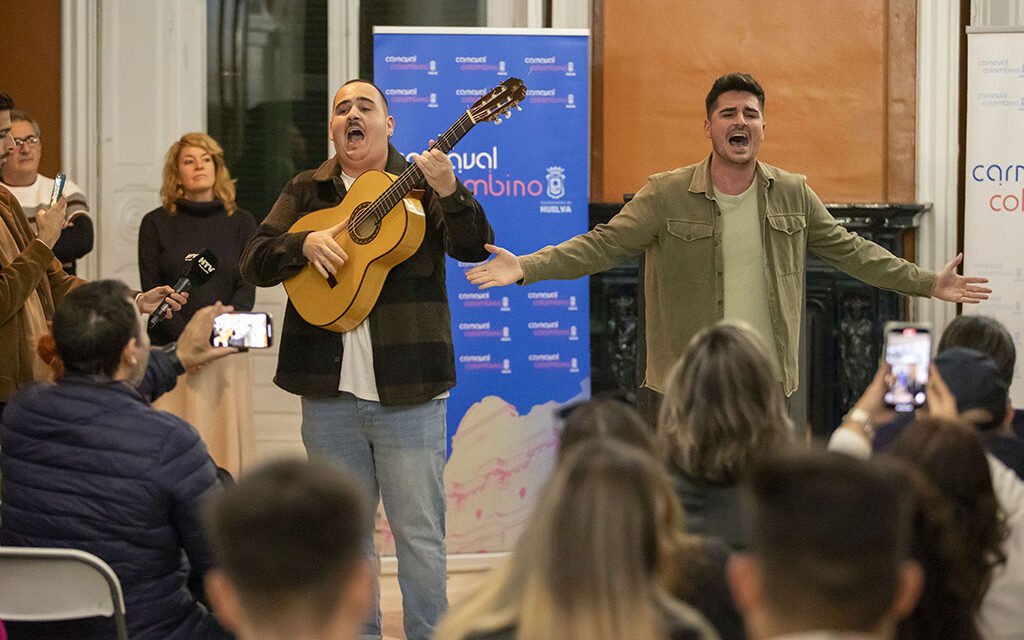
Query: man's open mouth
x,y
739,139
355,134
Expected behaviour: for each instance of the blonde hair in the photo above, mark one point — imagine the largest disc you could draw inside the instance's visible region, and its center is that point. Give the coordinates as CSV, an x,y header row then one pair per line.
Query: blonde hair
x,y
223,185
723,405
594,561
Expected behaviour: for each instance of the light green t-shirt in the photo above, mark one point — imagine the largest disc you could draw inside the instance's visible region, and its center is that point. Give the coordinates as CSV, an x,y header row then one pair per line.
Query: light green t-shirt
x,y
746,286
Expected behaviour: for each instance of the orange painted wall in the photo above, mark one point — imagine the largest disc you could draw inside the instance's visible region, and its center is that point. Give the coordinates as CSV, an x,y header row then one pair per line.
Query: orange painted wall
x,y
31,69
824,66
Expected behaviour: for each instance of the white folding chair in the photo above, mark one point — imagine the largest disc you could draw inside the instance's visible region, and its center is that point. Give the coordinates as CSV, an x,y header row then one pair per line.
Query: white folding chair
x,y
38,584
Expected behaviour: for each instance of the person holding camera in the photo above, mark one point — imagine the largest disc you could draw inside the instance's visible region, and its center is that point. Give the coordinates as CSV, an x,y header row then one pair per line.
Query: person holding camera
x,y
88,464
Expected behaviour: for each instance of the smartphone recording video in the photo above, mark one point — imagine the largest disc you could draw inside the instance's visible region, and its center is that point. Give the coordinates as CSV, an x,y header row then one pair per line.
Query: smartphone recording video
x,y
243,329
908,350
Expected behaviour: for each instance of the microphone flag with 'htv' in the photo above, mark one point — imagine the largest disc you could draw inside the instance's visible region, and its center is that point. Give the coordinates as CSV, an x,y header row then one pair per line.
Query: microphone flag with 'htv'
x,y
199,268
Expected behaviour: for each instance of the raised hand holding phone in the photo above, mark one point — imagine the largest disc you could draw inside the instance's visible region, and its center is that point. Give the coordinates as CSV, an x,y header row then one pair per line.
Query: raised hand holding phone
x,y
50,222
58,188
908,351
242,329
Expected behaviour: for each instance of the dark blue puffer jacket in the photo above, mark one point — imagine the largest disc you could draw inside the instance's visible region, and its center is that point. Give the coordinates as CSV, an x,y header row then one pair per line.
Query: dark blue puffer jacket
x,y
88,464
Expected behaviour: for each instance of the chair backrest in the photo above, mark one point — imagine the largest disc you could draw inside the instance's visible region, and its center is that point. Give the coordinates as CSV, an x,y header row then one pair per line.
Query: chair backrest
x,y
38,584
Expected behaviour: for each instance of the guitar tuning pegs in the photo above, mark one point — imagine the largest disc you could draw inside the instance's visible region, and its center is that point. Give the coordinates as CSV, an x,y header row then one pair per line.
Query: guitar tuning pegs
x,y
518,108
497,120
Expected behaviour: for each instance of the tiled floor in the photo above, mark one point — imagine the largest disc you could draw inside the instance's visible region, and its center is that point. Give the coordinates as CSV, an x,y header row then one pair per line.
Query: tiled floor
x,y
459,584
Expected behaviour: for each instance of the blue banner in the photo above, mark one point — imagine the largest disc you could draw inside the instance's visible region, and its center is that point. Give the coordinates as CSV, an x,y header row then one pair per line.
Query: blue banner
x,y
521,352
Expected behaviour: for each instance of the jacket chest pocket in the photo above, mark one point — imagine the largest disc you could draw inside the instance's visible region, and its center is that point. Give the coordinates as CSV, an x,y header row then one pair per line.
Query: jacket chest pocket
x,y
689,249
787,241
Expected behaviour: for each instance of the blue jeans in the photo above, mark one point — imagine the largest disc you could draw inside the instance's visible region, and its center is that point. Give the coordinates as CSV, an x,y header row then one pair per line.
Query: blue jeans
x,y
399,455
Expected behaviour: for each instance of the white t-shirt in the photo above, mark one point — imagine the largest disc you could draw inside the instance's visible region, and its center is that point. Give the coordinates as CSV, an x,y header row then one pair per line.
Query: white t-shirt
x,y
357,375
36,196
746,284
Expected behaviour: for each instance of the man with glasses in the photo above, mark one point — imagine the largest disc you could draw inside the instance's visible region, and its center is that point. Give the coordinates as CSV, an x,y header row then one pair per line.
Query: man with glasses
x,y
21,177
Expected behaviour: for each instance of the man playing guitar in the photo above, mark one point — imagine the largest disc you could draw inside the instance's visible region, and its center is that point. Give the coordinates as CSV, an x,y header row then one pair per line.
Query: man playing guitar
x,y
374,397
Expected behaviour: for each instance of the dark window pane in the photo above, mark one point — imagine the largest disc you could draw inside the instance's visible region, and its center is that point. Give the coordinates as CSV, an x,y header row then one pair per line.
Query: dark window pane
x,y
403,13
267,92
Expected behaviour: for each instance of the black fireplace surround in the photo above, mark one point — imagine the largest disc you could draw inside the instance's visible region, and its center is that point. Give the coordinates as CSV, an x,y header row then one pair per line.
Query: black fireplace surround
x,y
842,324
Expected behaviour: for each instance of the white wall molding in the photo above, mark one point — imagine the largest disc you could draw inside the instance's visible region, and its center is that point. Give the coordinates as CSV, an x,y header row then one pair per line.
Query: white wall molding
x,y
938,85
150,89
80,105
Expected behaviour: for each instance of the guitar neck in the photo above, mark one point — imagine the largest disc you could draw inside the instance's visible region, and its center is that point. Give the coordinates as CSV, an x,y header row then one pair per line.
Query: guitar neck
x,y
412,177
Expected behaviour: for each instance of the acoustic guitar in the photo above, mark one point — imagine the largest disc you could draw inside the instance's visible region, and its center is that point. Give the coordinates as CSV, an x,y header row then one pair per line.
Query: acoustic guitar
x,y
385,226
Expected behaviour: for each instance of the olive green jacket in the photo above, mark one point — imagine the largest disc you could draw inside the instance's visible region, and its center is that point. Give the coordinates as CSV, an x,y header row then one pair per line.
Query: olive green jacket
x,y
676,222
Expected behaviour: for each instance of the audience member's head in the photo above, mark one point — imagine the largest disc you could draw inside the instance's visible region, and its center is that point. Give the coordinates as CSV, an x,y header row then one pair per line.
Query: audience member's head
x,y
605,418
178,178
288,540
982,394
22,166
830,539
594,559
947,607
97,332
723,405
17,115
951,455
984,334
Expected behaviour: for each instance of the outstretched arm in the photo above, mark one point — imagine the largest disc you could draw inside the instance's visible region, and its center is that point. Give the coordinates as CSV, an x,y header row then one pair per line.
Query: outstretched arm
x,y
503,269
628,233
953,287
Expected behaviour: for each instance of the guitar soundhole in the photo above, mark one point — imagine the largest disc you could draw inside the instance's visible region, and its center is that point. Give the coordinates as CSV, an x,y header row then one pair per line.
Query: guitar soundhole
x,y
365,231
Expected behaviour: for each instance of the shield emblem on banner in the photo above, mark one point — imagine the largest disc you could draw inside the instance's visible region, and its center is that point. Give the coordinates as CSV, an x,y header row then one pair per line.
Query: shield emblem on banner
x,y
556,182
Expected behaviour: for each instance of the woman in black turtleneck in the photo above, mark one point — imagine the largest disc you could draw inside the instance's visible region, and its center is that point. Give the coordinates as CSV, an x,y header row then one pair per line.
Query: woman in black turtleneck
x,y
199,213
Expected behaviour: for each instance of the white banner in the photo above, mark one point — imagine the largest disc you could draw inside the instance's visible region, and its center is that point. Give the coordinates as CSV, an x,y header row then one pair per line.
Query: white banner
x,y
994,195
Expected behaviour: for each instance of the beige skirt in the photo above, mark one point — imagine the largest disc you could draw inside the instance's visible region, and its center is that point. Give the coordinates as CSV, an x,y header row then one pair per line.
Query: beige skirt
x,y
217,401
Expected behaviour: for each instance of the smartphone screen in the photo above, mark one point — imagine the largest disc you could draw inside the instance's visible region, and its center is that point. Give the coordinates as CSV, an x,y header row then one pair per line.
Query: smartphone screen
x,y
249,329
58,188
908,351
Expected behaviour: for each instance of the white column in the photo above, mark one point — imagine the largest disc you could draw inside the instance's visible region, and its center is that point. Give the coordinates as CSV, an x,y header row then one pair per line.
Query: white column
x,y
80,106
150,89
938,49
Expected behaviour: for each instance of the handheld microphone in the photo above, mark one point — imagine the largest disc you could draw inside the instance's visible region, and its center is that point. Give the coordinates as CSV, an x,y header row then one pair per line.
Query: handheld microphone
x,y
199,268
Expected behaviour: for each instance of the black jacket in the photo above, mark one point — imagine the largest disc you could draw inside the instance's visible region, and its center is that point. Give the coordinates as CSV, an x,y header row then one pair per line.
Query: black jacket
x,y
88,464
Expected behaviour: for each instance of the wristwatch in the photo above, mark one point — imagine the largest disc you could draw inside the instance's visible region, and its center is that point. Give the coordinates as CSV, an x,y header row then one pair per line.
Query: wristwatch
x,y
172,354
861,418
